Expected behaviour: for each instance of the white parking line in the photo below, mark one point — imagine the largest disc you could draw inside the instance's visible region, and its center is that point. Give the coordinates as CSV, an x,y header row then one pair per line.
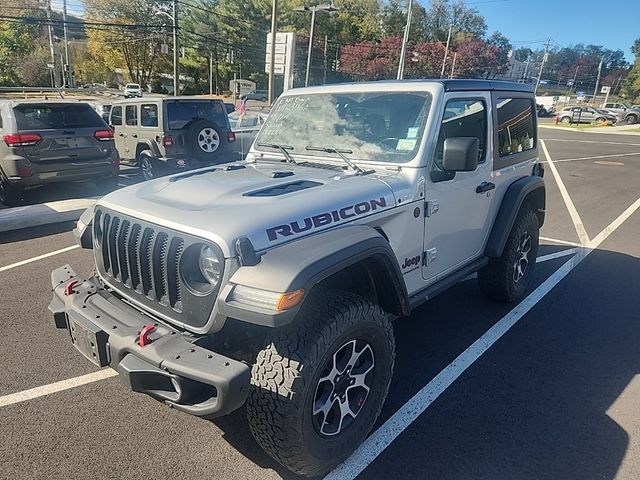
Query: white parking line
x,y
379,440
560,254
32,393
577,221
39,257
590,141
596,157
561,242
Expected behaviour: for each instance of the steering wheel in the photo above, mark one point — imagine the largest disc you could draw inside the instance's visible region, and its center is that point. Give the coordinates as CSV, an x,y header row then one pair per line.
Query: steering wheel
x,y
389,143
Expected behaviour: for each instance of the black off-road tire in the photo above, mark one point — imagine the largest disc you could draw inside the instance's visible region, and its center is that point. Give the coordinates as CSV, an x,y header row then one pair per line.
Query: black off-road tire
x,y
196,141
286,374
10,195
150,167
497,279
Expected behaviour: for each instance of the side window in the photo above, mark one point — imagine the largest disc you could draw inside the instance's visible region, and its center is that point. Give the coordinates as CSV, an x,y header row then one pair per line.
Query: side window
x,y
116,115
249,121
462,118
131,114
149,115
516,130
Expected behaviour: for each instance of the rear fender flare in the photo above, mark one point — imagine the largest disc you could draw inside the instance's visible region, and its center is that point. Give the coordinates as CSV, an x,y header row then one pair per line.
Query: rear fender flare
x,y
530,190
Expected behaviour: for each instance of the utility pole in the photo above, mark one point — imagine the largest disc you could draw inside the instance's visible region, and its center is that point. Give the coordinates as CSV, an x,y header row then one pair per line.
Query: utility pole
x,y
573,81
54,72
210,73
526,70
617,84
310,49
66,46
272,55
405,40
544,59
453,65
446,52
176,50
595,90
324,74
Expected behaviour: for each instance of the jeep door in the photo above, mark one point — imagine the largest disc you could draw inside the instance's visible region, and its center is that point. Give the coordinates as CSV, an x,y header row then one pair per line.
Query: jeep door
x,y
458,203
129,130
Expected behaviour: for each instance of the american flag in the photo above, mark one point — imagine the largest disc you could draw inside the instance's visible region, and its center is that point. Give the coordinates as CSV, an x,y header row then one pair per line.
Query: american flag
x,y
241,108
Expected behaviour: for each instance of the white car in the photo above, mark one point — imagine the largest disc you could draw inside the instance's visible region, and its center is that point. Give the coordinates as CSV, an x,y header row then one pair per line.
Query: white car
x,y
132,90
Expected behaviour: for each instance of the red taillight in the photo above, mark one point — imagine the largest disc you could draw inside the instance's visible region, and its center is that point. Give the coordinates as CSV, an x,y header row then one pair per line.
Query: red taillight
x,y
103,135
167,140
22,139
231,136
25,171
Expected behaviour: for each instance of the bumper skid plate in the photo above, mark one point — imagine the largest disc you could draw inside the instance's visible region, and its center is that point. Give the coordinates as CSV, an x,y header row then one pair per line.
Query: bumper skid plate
x,y
170,368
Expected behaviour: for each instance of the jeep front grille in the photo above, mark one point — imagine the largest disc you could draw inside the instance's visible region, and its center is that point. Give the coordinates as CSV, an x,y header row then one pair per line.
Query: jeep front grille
x,y
142,261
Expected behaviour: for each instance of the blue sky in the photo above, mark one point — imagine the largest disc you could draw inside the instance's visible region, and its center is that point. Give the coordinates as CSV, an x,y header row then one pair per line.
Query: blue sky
x,y
611,23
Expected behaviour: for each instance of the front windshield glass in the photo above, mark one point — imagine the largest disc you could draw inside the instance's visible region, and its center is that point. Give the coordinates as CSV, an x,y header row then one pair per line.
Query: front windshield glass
x,y
373,126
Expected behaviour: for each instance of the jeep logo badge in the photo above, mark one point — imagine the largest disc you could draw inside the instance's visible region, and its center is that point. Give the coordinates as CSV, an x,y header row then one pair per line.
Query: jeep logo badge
x,y
308,223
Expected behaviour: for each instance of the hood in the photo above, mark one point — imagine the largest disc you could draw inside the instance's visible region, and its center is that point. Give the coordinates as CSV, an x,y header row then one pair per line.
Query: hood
x,y
269,203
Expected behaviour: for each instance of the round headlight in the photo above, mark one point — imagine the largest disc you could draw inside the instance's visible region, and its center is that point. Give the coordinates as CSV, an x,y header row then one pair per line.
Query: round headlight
x,y
210,265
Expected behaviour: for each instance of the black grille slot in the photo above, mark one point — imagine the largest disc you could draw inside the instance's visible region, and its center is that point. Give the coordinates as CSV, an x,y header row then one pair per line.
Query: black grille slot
x,y
143,260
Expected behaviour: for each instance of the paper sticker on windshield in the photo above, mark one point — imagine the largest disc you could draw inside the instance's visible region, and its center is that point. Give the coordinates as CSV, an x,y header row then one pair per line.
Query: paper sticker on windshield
x,y
406,144
412,132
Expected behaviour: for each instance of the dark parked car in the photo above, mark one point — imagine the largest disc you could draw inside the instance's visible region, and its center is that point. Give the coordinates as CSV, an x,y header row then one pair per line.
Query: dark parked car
x,y
53,141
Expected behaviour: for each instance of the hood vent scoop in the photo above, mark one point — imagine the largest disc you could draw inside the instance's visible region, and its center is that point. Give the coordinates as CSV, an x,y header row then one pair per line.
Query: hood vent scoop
x,y
277,190
281,174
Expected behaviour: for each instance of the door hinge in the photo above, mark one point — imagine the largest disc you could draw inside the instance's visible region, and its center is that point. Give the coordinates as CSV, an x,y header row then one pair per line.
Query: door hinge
x,y
429,256
431,207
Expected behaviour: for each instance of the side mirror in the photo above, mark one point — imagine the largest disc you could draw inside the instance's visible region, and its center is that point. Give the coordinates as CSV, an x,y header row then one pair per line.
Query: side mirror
x,y
460,154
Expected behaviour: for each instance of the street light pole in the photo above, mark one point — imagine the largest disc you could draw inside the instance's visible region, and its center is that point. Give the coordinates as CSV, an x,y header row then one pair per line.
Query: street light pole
x,y
313,10
67,58
595,90
446,51
405,40
176,60
544,59
272,55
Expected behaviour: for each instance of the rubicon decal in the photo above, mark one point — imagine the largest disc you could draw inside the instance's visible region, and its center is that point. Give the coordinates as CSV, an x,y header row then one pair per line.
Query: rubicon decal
x,y
327,218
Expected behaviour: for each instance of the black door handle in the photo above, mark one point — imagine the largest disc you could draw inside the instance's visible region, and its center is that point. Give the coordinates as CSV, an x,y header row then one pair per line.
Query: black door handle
x,y
485,187
134,135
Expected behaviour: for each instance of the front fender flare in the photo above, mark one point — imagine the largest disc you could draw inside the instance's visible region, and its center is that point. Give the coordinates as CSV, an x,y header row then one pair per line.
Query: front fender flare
x,y
304,263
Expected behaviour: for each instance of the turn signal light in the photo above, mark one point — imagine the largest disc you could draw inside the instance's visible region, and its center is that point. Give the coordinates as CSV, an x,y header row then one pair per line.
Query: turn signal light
x,y
289,300
21,139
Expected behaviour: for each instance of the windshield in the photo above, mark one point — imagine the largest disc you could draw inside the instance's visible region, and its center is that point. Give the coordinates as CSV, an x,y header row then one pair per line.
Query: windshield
x,y
133,85
374,126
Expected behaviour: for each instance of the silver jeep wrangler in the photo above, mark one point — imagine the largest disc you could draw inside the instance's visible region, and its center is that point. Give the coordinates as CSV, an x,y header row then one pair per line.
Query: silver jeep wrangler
x,y
273,281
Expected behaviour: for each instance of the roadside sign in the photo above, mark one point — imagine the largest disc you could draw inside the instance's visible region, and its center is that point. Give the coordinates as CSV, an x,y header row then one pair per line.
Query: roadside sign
x,y
280,48
605,90
580,95
50,65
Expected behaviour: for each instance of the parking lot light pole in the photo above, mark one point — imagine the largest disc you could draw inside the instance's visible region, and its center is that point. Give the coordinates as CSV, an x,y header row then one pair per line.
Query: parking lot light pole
x,y
317,8
272,55
405,40
176,66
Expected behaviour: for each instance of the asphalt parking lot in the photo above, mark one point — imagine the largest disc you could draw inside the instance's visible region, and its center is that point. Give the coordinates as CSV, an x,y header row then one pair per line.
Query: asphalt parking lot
x,y
547,389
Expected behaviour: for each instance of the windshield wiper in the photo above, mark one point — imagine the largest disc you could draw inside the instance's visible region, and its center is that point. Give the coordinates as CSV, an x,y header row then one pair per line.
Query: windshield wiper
x,y
340,152
282,148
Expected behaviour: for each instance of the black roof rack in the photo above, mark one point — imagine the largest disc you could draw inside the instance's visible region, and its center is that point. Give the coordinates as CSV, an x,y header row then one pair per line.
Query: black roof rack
x,y
460,85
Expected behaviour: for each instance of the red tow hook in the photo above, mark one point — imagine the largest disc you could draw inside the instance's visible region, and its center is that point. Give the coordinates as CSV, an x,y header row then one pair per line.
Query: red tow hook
x,y
143,339
68,290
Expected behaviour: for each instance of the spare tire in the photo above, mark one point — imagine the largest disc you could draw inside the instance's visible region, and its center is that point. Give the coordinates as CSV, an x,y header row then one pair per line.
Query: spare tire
x,y
204,140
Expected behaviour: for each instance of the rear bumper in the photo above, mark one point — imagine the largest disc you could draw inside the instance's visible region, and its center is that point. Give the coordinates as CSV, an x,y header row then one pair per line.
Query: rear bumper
x,y
171,368
61,172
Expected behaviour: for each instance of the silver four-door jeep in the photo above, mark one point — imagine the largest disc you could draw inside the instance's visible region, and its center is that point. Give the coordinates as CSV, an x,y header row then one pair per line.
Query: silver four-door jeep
x,y
273,281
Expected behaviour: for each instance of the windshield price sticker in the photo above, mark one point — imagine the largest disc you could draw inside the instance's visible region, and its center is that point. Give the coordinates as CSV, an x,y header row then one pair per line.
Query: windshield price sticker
x,y
406,144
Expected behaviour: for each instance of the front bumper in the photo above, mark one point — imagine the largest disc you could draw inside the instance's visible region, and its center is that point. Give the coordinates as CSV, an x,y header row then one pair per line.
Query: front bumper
x,y
171,368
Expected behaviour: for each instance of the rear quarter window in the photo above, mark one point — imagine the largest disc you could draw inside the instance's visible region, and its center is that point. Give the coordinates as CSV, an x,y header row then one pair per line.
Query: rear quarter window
x,y
516,128
53,116
181,113
116,115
